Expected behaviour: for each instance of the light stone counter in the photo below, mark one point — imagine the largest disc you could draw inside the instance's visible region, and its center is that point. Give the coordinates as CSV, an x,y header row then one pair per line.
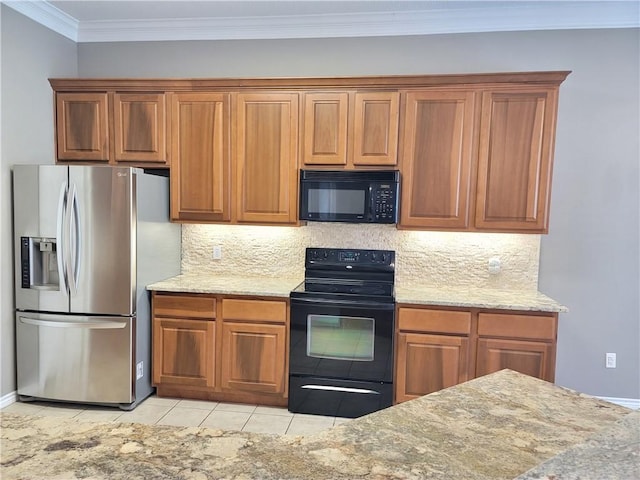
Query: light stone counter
x,y
470,297
227,285
494,427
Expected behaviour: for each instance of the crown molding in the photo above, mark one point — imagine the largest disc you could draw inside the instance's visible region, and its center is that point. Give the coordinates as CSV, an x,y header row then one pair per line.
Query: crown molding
x,y
485,17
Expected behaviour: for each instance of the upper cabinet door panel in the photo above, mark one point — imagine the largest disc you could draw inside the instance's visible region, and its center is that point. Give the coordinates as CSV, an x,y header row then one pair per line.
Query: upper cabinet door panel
x,y
436,159
515,159
200,175
325,128
139,127
266,157
375,130
82,126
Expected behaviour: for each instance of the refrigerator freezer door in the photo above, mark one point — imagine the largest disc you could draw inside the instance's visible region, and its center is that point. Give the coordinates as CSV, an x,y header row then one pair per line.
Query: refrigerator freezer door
x,y
75,358
39,202
102,233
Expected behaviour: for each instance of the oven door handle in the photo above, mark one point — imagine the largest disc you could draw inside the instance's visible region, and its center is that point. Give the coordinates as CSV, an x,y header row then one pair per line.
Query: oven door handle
x,y
342,303
331,388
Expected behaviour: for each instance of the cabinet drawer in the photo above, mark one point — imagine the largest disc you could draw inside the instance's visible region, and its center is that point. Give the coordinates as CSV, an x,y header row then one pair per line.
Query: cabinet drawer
x,y
426,320
254,310
196,306
517,326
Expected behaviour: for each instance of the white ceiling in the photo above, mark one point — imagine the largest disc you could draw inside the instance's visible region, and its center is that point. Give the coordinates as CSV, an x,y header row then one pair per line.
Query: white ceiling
x,y
127,20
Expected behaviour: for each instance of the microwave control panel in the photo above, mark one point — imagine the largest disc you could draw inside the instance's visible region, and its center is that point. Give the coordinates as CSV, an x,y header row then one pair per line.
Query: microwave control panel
x,y
385,203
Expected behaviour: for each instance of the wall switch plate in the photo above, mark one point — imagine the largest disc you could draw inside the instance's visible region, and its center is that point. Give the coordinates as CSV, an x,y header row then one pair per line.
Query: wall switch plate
x,y
610,360
217,252
139,370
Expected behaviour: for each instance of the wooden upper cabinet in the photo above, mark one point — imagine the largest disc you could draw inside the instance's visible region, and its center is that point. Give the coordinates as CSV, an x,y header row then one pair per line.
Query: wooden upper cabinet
x,y
200,174
437,158
139,127
349,128
325,128
375,128
82,126
266,143
517,132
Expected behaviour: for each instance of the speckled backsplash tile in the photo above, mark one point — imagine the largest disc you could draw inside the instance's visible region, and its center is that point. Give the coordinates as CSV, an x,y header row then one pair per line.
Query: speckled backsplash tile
x,y
429,258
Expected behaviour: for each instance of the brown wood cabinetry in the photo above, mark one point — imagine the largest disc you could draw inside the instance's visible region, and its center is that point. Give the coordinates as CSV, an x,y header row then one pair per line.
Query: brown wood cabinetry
x,y
437,348
254,345
112,128
220,348
436,159
432,351
184,340
525,343
350,128
266,160
517,132
201,172
478,159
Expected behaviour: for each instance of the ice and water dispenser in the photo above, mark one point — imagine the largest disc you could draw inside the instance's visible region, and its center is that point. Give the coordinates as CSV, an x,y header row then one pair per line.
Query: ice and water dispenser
x,y
39,263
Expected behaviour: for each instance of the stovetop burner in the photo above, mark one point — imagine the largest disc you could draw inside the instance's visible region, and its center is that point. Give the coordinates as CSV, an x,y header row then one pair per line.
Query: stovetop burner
x,y
333,273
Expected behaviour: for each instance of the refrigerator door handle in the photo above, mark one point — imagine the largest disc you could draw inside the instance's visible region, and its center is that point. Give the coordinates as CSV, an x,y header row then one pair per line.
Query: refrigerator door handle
x,y
76,240
91,325
60,239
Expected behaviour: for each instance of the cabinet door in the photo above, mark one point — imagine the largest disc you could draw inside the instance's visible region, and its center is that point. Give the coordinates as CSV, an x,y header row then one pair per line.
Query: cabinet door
x,y
82,126
427,363
200,170
183,352
528,357
436,159
266,157
253,357
139,128
325,128
517,134
375,129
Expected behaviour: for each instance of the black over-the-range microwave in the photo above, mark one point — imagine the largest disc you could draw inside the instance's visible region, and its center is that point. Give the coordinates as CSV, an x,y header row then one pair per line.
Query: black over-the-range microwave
x,y
352,196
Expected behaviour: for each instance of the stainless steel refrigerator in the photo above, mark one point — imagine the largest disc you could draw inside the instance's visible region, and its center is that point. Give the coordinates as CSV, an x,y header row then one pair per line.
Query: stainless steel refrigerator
x,y
87,241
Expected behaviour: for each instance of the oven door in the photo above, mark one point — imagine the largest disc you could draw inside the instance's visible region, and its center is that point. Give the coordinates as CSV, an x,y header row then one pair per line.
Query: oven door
x,y
342,340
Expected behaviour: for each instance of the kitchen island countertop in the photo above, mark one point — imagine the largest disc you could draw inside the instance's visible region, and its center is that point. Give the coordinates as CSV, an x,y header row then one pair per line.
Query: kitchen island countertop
x,y
494,427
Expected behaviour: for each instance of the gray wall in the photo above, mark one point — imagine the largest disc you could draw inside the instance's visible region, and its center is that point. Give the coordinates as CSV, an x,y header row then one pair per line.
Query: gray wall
x,y
589,261
31,54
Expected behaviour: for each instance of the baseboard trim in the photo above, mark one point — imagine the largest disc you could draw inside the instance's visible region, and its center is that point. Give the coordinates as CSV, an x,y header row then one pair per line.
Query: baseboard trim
x,y
633,403
8,399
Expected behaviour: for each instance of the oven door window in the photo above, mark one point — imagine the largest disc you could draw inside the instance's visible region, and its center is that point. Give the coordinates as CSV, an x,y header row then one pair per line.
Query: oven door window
x,y
340,337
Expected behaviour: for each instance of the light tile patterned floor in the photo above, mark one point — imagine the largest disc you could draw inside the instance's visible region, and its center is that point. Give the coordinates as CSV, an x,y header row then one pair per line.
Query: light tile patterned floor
x,y
189,413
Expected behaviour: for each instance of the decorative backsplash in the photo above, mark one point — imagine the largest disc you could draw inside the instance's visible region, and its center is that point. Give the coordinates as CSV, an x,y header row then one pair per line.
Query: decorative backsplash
x,y
427,258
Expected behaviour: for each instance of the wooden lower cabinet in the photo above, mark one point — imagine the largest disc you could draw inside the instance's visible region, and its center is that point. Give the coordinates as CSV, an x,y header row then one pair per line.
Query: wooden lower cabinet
x,y
438,348
220,348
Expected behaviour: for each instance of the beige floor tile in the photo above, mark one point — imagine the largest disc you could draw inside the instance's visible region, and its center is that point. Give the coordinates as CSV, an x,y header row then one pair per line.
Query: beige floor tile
x,y
235,407
184,417
145,413
282,411
201,404
166,402
65,411
96,415
308,424
226,420
260,423
24,408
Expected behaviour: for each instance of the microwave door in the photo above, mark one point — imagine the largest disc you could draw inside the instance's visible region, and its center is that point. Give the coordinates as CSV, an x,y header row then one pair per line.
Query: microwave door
x,y
337,202
103,232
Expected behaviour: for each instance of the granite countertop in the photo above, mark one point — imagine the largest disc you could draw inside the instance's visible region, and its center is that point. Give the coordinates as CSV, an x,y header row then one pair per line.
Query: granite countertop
x,y
201,282
494,427
471,297
227,285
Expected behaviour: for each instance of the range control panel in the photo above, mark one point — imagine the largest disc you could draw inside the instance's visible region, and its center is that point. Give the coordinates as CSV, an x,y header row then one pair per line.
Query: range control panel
x,y
341,256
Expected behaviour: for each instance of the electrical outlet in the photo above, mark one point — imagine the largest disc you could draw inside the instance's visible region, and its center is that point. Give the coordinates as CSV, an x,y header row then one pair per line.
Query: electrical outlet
x,y
139,370
495,265
610,360
217,252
